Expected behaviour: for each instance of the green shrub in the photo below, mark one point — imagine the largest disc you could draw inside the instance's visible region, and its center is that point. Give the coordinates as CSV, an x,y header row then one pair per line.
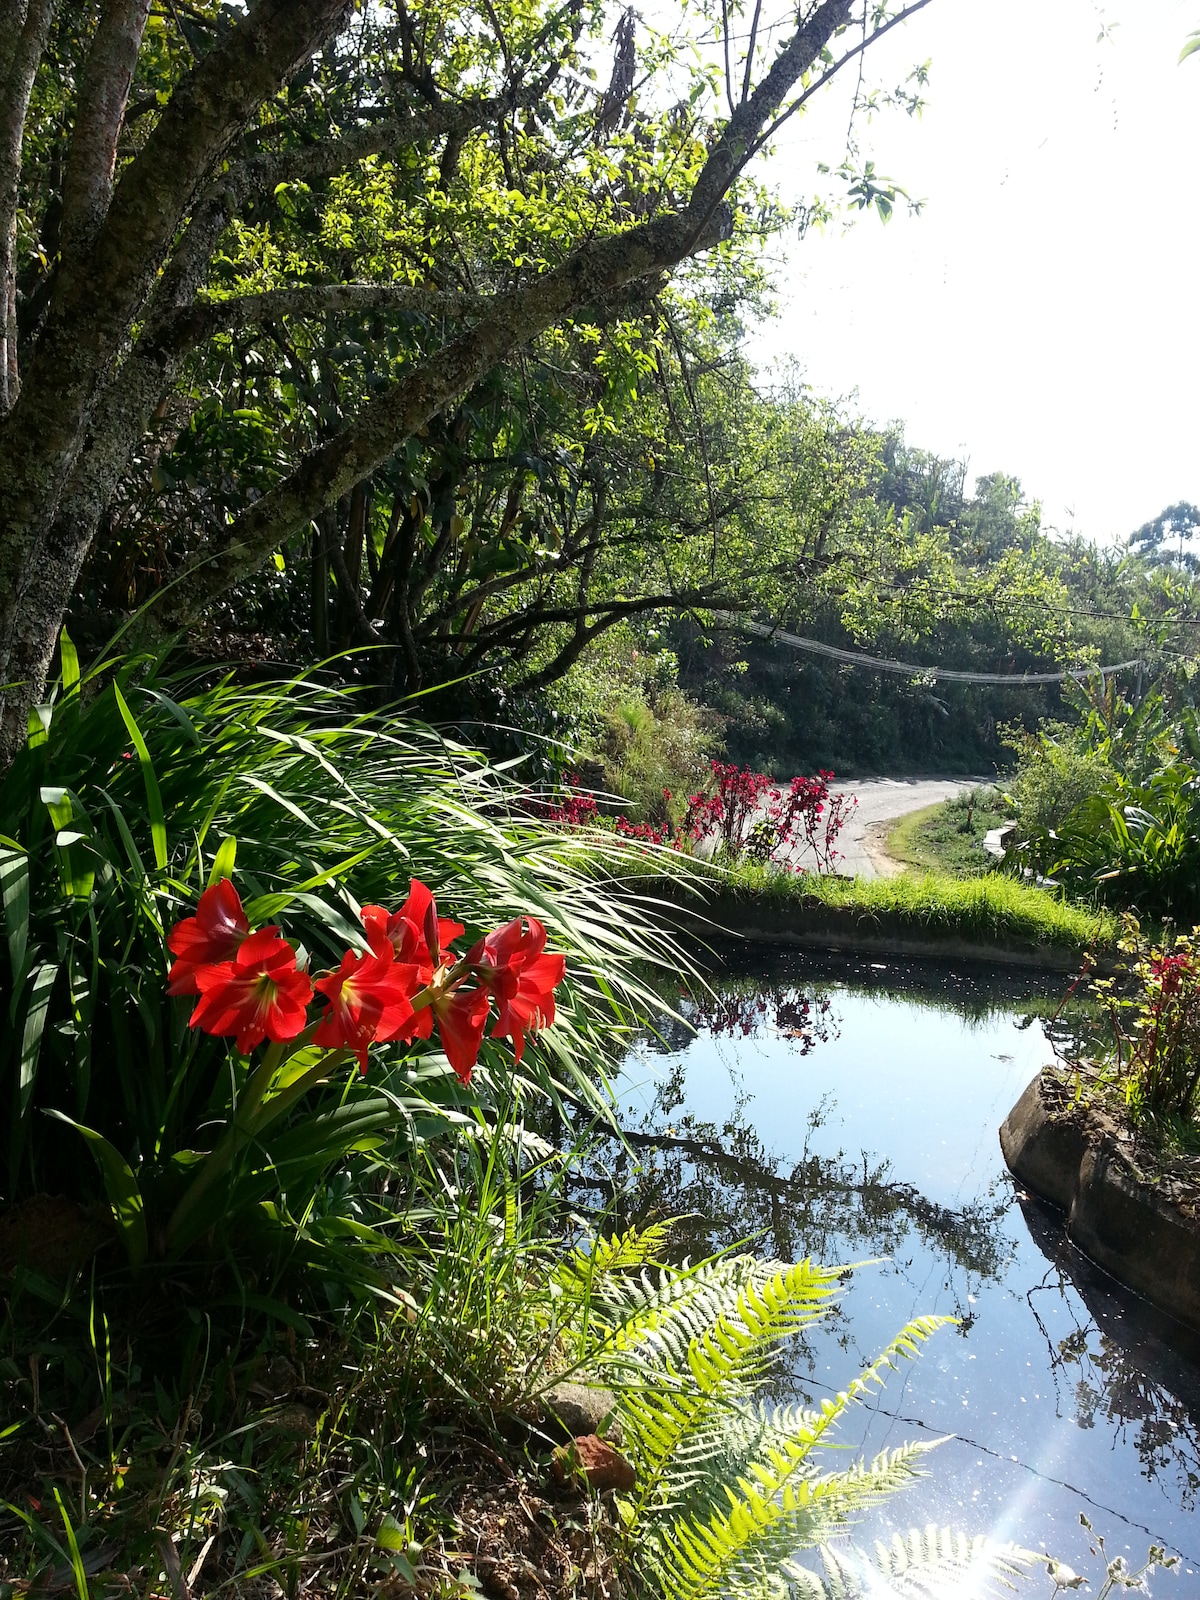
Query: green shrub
x,y
1055,775
1136,846
648,746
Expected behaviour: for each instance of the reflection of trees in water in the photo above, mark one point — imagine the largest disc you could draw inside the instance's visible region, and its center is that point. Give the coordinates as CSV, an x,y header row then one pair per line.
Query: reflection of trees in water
x,y
740,1011
732,1188
1116,1367
728,1188
803,1015
728,1191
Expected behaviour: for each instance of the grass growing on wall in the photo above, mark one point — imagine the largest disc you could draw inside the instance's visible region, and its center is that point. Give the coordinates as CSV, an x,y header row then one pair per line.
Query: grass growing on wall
x,y
993,907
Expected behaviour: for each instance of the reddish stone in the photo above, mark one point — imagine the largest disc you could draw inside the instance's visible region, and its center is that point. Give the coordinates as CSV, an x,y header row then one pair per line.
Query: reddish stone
x,y
590,1458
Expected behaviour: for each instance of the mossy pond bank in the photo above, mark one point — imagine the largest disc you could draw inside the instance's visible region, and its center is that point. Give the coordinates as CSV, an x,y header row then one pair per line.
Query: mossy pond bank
x,y
850,1112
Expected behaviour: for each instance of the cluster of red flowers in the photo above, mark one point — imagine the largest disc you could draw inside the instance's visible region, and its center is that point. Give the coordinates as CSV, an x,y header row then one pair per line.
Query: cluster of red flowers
x,y
732,810
646,832
251,987
746,812
753,817
1170,971
576,808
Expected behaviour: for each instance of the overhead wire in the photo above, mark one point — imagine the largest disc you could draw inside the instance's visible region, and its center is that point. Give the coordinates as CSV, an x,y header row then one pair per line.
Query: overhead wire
x,y
910,669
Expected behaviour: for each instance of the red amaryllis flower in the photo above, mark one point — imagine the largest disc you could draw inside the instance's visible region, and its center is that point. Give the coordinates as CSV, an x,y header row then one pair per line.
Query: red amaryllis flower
x,y
461,1016
260,994
368,1000
415,932
512,963
212,936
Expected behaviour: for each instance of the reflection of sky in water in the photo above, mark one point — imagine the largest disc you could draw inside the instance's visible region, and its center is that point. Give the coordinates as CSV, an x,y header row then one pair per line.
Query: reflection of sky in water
x,y
1061,1404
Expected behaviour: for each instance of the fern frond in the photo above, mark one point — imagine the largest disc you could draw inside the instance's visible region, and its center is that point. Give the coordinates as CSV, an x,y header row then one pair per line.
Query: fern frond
x,y
780,1504
775,1509
654,1319
687,1400
583,1271
927,1564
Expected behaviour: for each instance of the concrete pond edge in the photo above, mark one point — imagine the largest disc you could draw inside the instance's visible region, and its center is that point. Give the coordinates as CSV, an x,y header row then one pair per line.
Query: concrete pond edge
x,y
848,929
1123,1222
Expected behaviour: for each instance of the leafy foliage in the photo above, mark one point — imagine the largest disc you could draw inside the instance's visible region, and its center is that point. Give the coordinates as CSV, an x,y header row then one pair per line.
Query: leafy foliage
x,y
1133,838
127,800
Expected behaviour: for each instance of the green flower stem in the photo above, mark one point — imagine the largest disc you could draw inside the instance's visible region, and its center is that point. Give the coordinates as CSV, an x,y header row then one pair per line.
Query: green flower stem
x,y
247,1122
258,1083
296,1091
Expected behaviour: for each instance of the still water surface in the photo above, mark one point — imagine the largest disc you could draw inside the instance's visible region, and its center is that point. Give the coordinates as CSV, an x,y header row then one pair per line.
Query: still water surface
x,y
855,1115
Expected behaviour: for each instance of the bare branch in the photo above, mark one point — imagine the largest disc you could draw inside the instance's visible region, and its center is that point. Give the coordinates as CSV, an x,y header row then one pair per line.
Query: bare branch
x,y
747,76
893,22
607,617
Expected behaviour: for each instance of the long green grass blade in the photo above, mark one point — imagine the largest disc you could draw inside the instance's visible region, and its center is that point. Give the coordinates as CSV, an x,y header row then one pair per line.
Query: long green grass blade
x,y
120,1186
69,662
14,897
158,824
223,861
79,1572
37,1006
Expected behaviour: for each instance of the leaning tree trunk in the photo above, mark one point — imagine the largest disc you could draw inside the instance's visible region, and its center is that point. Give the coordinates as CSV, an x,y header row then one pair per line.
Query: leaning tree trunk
x,y
115,243
135,257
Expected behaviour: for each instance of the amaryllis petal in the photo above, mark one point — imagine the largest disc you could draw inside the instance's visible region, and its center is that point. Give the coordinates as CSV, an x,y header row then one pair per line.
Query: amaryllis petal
x,y
260,994
368,1002
528,1003
461,1019
213,935
408,930
512,963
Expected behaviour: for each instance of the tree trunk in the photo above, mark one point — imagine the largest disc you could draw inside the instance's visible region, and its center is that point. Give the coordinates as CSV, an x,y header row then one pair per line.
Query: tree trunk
x,y
24,25
98,295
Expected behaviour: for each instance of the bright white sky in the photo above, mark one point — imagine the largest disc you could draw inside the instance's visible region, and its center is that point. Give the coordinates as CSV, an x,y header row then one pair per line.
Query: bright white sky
x,y
1040,316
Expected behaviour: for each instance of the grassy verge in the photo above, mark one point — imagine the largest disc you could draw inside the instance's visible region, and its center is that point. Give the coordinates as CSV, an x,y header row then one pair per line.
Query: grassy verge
x,y
948,837
992,907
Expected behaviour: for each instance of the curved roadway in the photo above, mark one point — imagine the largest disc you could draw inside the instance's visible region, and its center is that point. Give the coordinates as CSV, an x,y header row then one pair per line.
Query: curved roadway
x,y
861,846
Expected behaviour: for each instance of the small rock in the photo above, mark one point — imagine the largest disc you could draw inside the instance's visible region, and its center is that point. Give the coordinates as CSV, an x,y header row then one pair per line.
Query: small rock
x,y
590,1458
572,1409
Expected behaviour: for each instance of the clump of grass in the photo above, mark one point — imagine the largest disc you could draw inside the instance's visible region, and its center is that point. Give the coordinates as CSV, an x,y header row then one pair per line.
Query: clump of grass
x,y
993,907
948,837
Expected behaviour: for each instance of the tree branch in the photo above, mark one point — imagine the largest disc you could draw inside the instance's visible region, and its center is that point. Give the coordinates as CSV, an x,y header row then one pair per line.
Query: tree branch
x,y
24,25
790,111
607,617
99,114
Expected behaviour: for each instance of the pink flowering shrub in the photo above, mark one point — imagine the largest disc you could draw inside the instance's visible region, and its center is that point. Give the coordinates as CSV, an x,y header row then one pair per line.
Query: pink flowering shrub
x,y
746,816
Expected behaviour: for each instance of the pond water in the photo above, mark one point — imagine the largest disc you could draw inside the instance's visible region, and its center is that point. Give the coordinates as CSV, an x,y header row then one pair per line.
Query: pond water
x,y
853,1114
